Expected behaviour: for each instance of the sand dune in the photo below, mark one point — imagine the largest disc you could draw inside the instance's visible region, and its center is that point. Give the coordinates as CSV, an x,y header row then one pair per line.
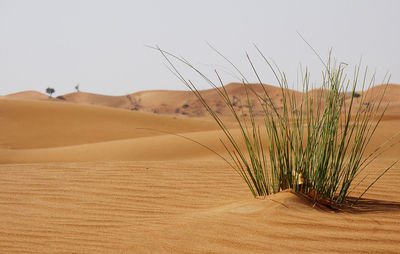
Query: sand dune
x,y
164,147
51,132
79,178
161,147
97,99
61,132
185,103
27,95
170,102
32,124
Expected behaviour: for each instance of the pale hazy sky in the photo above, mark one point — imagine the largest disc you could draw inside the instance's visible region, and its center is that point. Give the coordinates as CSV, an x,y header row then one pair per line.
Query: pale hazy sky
x,y
101,44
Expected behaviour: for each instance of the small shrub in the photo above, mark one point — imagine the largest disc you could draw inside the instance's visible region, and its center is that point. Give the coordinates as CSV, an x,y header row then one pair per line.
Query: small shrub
x,y
50,91
316,141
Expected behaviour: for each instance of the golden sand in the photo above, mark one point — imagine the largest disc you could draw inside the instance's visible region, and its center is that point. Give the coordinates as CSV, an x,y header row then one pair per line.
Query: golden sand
x,y
79,178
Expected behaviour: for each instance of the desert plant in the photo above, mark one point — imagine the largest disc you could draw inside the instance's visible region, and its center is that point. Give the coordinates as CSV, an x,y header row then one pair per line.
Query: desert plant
x,y
315,142
50,91
77,88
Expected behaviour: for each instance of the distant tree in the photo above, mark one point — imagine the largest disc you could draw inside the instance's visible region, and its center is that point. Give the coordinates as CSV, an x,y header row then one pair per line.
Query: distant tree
x,y
50,91
77,87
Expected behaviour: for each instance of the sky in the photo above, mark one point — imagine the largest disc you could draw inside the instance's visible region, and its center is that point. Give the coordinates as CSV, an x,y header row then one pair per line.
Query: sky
x,y
103,45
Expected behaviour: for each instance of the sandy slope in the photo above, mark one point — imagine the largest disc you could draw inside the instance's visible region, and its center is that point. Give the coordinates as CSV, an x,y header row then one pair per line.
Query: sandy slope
x,y
161,147
179,207
32,124
87,179
27,95
51,132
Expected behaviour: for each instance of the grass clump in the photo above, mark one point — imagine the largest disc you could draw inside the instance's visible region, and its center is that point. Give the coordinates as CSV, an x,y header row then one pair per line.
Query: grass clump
x,y
313,142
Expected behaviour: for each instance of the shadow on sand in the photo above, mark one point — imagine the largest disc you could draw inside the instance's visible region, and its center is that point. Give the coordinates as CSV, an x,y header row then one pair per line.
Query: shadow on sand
x,y
353,205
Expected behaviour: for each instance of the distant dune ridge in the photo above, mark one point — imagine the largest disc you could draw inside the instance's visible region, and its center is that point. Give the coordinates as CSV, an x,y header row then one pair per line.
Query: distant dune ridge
x,y
87,173
27,95
184,102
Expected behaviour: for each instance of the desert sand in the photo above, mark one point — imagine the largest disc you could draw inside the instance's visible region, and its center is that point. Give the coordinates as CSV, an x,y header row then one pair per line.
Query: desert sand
x,y
86,173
